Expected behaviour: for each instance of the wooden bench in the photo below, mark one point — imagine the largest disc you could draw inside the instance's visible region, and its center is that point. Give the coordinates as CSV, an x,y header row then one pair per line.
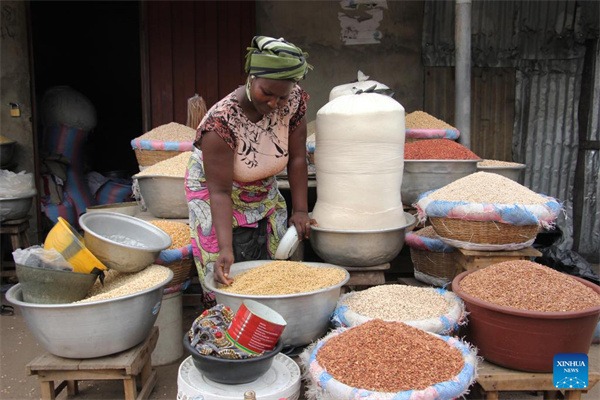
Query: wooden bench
x,y
127,366
494,379
473,259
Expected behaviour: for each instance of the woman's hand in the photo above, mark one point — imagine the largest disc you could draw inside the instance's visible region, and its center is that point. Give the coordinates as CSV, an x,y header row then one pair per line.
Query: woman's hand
x,y
222,267
302,222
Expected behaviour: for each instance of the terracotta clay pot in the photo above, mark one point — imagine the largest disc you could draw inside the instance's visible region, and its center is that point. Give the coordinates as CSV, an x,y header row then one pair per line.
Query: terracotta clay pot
x,y
526,340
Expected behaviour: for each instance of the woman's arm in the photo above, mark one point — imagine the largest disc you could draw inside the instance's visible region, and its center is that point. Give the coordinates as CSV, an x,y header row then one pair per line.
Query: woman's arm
x,y
218,167
298,177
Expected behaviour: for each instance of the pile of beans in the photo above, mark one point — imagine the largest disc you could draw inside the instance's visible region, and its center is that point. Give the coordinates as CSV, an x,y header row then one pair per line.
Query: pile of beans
x,y
526,285
498,163
119,284
398,303
171,132
178,231
422,120
487,187
174,166
284,277
437,149
389,357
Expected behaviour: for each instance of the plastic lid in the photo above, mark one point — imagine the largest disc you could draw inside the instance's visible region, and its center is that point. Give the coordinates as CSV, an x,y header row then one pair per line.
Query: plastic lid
x,y
289,243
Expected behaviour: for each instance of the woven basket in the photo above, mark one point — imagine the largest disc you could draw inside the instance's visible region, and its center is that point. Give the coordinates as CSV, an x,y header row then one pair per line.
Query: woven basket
x,y
483,232
146,158
436,264
182,270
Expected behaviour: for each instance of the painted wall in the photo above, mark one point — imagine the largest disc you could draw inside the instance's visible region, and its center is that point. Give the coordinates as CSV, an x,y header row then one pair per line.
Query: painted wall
x,y
316,27
15,87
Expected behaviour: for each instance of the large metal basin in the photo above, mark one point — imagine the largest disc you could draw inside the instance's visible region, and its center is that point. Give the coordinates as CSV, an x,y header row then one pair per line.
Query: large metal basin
x,y
307,314
12,208
421,176
122,242
163,196
95,329
360,248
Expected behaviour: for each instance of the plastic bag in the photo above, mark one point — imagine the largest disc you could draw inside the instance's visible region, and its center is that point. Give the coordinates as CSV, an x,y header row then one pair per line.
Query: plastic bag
x,y
567,261
38,257
16,185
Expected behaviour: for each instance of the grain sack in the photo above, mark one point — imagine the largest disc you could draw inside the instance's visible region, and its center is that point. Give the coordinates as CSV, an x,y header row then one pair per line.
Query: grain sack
x,y
433,310
362,83
388,360
359,158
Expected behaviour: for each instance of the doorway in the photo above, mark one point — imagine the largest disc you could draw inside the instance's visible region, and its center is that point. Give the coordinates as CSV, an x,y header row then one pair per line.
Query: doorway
x,y
94,48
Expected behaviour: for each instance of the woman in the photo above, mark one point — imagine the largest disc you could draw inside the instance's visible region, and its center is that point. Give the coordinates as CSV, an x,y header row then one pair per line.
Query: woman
x,y
236,211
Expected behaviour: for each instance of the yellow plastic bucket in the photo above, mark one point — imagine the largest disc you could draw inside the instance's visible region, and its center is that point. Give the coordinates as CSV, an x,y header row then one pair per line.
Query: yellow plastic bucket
x,y
65,239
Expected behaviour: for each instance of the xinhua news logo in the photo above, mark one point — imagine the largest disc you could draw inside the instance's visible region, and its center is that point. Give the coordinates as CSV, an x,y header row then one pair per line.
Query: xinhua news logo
x,y
570,371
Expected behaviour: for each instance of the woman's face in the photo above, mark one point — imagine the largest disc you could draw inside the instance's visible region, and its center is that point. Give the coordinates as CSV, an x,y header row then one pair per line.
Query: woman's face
x,y
269,94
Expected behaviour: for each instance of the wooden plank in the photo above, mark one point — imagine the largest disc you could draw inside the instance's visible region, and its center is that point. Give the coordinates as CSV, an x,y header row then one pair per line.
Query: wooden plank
x,y
82,375
526,252
184,72
49,361
148,386
471,259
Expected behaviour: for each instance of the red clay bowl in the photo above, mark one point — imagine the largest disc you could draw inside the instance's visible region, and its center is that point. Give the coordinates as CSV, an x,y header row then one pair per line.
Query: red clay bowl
x,y
526,340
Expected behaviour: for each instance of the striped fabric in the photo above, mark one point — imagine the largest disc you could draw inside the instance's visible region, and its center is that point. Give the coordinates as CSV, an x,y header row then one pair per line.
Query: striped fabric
x,y
276,59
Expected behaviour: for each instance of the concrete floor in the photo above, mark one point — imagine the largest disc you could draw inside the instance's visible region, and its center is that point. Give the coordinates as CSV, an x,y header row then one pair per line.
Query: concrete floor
x,y
18,347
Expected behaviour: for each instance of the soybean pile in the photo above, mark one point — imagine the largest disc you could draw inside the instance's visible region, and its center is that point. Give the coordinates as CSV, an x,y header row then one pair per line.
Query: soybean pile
x,y
174,166
284,277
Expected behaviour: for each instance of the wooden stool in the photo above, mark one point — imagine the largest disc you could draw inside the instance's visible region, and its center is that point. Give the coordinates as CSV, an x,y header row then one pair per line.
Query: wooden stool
x,y
493,379
17,230
367,276
472,259
127,366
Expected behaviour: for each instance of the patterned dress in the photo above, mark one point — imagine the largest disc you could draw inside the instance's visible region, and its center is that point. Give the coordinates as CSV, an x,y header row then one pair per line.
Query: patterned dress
x,y
261,151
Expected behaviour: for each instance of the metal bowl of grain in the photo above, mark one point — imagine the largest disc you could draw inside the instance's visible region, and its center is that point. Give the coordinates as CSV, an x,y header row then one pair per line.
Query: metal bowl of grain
x,y
307,313
163,196
93,329
360,248
122,242
510,170
421,176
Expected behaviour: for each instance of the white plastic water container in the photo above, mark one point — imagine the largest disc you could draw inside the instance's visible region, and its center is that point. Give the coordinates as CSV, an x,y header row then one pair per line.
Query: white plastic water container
x,y
282,380
169,347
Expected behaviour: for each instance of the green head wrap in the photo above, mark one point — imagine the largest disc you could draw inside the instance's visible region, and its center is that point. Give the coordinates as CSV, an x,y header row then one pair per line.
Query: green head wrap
x,y
276,59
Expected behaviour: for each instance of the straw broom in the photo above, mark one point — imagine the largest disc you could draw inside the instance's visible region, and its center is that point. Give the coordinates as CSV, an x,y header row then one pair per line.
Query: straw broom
x,y
195,111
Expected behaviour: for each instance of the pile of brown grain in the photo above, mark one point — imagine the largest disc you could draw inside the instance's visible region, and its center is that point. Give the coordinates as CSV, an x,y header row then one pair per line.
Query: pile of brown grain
x,y
178,231
284,277
527,285
389,357
423,120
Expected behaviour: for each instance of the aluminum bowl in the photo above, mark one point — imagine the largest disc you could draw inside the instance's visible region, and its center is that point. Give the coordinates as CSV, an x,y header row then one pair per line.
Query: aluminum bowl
x,y
307,314
128,208
421,176
12,208
122,242
94,329
163,196
513,172
359,248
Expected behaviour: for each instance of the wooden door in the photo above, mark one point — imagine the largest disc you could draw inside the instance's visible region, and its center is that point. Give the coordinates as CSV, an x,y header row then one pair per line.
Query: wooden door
x,y
191,47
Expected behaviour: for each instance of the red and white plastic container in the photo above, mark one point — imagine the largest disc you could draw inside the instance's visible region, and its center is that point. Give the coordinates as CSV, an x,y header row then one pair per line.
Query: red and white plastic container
x,y
256,327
